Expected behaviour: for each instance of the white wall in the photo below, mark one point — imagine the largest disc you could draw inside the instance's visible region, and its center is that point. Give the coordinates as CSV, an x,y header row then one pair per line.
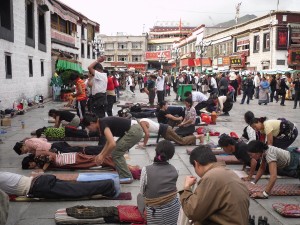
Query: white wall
x,y
21,85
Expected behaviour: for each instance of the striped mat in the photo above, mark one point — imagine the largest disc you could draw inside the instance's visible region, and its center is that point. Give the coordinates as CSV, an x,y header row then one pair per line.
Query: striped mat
x,y
278,189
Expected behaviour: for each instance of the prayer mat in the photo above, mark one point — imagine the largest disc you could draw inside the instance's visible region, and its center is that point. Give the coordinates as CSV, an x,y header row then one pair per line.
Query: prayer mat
x,y
216,151
61,218
278,189
74,139
130,214
228,159
287,210
241,174
122,196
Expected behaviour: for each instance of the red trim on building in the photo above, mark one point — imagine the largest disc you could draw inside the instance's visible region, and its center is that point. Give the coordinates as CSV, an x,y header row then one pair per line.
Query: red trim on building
x,y
205,62
187,62
155,56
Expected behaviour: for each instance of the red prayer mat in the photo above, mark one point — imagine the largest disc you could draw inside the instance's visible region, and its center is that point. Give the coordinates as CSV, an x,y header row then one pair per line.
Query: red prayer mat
x,y
278,189
130,214
215,151
287,210
228,159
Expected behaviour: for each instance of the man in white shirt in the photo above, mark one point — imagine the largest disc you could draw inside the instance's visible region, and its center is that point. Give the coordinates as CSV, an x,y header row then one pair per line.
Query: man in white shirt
x,y
98,82
199,98
256,84
160,86
213,85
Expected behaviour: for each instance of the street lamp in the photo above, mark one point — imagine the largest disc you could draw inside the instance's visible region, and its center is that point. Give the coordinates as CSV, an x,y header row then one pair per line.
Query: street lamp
x,y
161,57
175,54
201,50
98,47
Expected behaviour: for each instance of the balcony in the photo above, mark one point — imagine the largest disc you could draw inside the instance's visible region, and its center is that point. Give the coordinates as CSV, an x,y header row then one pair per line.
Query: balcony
x,y
62,38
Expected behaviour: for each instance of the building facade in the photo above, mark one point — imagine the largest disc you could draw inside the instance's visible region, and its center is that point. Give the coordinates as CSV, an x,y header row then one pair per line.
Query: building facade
x,y
267,42
25,50
124,51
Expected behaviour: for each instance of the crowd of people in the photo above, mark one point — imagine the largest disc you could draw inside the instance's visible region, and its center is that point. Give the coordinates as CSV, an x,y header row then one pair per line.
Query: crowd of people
x,y
262,147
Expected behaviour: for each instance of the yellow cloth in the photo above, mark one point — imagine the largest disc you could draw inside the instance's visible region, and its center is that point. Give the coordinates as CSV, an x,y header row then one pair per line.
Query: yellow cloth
x,y
272,126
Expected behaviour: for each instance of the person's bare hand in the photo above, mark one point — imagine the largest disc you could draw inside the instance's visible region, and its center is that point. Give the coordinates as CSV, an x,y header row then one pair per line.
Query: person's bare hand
x,y
258,195
246,178
180,118
99,159
189,181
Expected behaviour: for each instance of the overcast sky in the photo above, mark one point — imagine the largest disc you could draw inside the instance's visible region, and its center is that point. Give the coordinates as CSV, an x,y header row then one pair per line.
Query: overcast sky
x,y
136,16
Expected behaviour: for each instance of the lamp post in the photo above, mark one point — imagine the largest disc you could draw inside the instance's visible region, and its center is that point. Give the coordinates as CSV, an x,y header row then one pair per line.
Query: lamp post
x,y
201,50
98,47
175,55
161,57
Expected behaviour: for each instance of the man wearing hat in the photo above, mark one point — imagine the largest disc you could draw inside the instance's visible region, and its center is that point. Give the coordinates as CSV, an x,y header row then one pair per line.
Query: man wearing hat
x,y
282,91
234,83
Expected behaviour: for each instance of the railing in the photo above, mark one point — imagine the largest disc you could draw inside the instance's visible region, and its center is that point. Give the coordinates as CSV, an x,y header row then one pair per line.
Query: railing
x,y
55,34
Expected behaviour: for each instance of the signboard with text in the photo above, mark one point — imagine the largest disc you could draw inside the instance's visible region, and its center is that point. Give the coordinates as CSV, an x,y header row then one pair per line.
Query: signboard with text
x,y
158,55
237,61
137,66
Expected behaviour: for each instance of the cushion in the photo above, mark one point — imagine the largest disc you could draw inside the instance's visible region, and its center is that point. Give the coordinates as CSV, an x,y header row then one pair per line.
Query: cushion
x,y
287,210
129,214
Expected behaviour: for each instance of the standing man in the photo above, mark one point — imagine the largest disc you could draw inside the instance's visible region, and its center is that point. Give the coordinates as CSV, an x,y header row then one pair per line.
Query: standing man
x,y
98,82
215,199
150,89
160,87
256,84
282,91
247,86
213,85
80,95
129,133
296,83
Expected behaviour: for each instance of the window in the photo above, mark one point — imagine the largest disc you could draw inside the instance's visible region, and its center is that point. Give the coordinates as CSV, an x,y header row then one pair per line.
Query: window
x,y
136,58
109,46
94,55
267,42
30,23
30,67
6,20
122,58
89,51
42,31
82,50
42,68
8,69
110,58
122,46
256,44
82,32
136,45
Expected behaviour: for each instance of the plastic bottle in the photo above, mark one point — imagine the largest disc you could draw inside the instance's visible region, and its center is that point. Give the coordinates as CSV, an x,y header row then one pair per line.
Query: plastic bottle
x,y
23,124
207,137
213,117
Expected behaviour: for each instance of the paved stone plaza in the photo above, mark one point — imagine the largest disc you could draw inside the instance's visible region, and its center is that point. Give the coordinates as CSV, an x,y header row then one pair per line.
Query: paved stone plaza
x,y
42,213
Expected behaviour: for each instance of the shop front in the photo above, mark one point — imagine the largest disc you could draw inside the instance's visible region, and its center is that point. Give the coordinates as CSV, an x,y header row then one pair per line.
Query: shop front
x,y
237,62
294,58
203,63
137,67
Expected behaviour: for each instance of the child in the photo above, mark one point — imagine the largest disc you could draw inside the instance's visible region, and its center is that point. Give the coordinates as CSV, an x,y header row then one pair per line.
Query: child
x,y
158,187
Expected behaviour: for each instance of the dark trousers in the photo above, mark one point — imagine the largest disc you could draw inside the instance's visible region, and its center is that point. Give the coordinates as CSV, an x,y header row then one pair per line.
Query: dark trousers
x,y
110,102
185,131
81,108
60,146
297,98
273,96
285,141
98,104
47,186
88,150
256,92
69,132
282,98
132,88
199,106
151,96
160,96
223,92
247,94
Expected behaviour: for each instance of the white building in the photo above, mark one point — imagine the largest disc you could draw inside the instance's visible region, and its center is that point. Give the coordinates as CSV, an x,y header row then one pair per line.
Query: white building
x,y
25,50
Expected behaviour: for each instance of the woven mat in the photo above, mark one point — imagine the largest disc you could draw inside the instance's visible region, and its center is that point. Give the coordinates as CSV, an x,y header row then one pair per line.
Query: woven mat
x,y
228,159
278,189
61,217
122,196
73,139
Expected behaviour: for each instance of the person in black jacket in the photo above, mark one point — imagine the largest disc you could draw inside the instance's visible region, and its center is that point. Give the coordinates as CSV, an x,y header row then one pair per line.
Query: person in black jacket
x,y
282,90
247,86
297,90
273,89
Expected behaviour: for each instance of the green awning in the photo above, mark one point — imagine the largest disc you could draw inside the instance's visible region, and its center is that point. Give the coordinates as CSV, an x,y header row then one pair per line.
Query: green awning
x,y
65,65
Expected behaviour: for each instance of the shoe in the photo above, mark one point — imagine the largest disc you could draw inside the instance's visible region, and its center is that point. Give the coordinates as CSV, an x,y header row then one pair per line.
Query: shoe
x,y
266,104
282,104
294,108
241,103
259,103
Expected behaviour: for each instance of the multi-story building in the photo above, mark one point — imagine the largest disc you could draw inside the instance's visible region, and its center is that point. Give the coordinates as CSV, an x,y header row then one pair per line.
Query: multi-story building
x,y
161,41
267,42
124,51
72,34
25,50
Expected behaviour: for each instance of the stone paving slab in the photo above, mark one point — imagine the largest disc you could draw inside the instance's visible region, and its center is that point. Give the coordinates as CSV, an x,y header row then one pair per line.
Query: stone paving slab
x,y
42,213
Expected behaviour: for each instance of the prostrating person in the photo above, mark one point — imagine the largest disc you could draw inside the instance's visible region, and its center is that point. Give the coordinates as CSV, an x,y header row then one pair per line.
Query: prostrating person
x,y
59,116
150,126
129,133
158,187
280,133
49,187
280,161
221,197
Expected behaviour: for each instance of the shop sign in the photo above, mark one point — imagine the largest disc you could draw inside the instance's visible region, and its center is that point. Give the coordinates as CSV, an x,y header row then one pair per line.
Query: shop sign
x,y
295,35
226,61
137,66
157,55
282,38
294,57
117,64
236,62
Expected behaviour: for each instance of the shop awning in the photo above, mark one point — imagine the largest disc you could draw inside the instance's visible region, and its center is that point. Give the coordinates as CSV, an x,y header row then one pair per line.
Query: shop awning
x,y
65,65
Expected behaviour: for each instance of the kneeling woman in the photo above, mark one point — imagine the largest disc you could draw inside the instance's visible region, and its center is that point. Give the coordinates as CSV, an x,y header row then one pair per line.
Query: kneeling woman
x,y
280,161
280,133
